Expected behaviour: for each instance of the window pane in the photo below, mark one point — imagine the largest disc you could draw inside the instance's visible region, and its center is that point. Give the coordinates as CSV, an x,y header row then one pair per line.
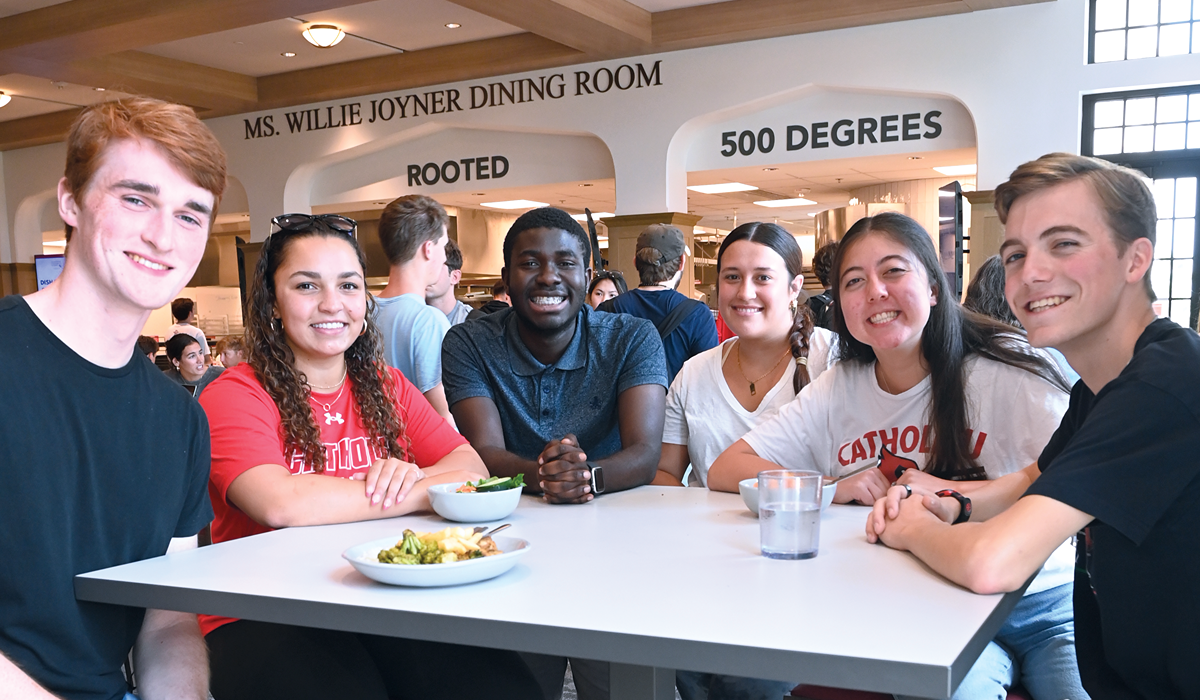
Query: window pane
x,y
1174,39
1193,135
1164,197
1176,11
1179,311
1143,12
1110,46
1185,238
1168,137
1139,111
1162,239
1185,197
1108,141
1110,14
1143,43
1160,277
1112,112
1194,103
1139,139
1172,108
1181,280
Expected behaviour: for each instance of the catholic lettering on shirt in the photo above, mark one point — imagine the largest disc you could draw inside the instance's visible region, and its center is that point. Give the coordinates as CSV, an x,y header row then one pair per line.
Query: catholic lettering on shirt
x,y
342,458
905,441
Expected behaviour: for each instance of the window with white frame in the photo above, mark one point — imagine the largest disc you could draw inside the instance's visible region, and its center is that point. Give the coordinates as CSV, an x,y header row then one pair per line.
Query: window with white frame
x,y
1124,30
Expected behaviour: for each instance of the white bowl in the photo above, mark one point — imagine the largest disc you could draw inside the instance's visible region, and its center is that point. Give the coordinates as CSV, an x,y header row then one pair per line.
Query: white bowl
x,y
749,490
473,507
365,558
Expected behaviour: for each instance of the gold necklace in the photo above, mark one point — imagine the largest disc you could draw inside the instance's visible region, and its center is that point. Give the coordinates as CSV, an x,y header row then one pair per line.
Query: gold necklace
x,y
755,381
331,386
334,417
879,375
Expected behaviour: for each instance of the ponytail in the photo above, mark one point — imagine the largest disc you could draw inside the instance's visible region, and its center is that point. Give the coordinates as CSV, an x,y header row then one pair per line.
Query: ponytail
x,y
802,328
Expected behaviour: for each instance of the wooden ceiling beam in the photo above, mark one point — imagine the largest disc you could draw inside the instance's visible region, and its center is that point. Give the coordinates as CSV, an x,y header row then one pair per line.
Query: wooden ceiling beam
x,y
37,130
85,28
411,69
598,28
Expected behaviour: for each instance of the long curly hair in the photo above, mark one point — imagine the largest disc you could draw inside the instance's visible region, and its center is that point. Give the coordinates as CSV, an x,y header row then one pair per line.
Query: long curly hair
x,y
951,335
779,240
274,364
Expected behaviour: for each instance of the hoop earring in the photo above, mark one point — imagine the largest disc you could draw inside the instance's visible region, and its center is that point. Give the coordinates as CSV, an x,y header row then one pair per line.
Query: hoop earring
x,y
277,324
363,331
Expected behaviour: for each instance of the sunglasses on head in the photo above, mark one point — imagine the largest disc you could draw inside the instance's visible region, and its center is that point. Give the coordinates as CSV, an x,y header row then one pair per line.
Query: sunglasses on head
x,y
303,223
606,274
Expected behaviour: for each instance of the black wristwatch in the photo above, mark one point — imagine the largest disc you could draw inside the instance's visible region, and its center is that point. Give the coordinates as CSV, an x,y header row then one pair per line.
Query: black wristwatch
x,y
596,481
964,503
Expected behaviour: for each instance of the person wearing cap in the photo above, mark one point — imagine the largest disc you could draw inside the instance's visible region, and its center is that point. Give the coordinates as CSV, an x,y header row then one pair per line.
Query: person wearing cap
x,y
685,325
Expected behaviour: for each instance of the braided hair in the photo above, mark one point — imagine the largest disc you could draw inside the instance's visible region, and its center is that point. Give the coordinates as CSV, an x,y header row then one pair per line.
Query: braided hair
x,y
779,240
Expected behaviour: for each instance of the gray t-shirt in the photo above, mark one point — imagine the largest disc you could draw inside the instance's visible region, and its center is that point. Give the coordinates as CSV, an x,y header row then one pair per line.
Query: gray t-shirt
x,y
412,338
577,394
459,313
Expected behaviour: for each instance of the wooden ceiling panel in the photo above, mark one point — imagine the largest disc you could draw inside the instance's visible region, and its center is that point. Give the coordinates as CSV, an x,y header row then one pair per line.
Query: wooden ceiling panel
x,y
596,27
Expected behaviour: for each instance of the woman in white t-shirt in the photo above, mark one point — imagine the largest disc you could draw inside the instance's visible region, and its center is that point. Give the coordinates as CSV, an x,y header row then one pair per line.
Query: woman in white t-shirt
x,y
722,393
915,367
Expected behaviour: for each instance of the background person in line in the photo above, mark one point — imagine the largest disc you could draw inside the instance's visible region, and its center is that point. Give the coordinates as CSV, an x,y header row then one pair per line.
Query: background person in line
x,y
607,284
1079,243
412,230
316,429
710,404
821,304
188,364
440,294
183,310
122,455
499,302
231,351
914,369
553,390
148,346
659,260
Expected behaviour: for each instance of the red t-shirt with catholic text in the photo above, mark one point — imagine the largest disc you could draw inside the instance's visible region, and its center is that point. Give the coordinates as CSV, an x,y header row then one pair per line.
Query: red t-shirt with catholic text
x,y
244,424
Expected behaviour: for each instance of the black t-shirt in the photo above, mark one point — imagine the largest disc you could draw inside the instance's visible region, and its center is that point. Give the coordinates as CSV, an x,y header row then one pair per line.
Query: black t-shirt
x,y
1130,457
99,467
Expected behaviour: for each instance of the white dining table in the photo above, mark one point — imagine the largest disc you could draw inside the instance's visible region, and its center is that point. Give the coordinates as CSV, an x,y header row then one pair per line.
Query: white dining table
x,y
653,580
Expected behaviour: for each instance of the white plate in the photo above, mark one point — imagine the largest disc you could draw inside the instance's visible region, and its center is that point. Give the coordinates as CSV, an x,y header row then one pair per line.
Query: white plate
x,y
365,558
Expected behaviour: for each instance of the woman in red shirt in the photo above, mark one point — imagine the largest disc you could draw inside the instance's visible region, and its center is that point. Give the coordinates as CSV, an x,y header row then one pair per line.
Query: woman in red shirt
x,y
316,429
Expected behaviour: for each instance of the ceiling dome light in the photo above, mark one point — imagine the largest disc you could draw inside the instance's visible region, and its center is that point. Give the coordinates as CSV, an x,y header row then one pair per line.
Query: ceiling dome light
x,y
323,35
5,99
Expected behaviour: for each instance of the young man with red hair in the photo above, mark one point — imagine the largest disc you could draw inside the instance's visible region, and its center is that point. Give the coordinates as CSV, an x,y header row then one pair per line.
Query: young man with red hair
x,y
104,460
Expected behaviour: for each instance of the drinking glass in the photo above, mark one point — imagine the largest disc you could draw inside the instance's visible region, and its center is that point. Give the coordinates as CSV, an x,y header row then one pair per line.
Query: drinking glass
x,y
789,513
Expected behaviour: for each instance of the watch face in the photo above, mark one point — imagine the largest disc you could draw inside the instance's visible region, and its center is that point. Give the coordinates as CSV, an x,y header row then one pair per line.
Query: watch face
x,y
597,479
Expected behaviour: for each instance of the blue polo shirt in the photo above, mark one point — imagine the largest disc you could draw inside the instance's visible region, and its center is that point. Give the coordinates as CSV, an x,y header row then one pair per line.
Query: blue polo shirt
x,y
577,394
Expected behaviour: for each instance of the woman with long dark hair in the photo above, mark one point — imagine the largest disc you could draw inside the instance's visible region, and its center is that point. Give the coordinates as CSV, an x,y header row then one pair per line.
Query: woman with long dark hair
x,y
923,383
607,284
314,428
722,393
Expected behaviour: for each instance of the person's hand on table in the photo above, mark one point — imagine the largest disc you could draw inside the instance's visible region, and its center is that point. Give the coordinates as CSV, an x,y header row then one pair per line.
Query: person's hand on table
x,y
917,478
389,480
866,488
902,504
563,475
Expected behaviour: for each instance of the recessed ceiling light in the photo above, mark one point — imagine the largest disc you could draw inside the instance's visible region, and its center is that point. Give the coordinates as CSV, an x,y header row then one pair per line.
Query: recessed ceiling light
x,y
287,54
453,25
323,36
478,194
770,169
586,184
99,89
514,204
380,204
722,188
5,99
793,202
953,170
595,216
813,213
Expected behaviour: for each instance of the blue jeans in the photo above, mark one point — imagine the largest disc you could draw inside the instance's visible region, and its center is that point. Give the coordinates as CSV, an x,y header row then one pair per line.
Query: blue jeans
x,y
1035,648
707,686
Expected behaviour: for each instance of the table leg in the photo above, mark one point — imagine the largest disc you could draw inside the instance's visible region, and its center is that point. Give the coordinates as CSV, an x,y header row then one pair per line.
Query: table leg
x,y
630,682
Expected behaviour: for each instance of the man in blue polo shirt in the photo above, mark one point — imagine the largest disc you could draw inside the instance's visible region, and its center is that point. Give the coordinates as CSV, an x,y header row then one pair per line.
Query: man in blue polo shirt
x,y
571,398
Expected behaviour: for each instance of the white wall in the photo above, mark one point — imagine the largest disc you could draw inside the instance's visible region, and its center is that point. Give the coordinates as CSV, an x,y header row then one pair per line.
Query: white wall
x,y
1018,72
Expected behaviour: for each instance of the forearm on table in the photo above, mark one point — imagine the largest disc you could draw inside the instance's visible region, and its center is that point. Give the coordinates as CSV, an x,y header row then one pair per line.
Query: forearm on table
x,y
17,684
738,462
635,465
170,657
671,465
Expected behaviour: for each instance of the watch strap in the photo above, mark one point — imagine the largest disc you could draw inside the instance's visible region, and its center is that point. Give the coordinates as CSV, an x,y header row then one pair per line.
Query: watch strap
x,y
964,503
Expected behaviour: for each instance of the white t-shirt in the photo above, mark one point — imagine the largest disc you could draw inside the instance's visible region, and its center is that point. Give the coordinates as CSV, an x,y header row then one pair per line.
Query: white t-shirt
x,y
703,414
841,420
189,329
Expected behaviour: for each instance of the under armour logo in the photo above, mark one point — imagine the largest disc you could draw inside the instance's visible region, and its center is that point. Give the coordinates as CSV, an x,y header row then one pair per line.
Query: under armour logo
x,y
331,418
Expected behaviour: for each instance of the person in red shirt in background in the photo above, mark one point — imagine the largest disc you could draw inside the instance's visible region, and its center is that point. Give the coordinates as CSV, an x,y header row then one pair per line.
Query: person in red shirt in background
x,y
316,429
